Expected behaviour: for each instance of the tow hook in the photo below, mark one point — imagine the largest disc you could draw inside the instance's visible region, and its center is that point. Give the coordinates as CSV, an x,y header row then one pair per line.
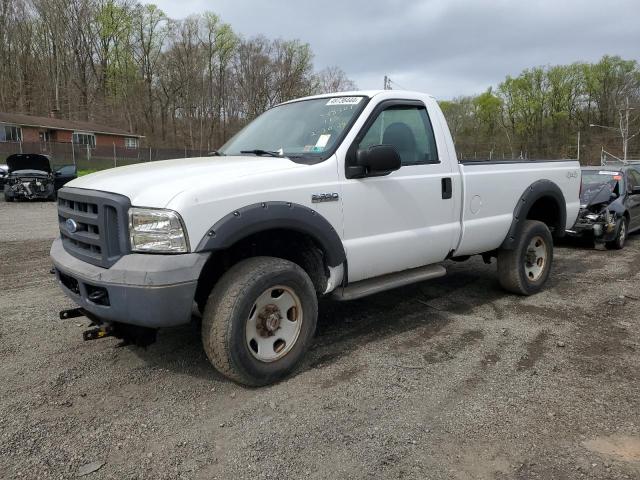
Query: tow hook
x,y
72,313
97,332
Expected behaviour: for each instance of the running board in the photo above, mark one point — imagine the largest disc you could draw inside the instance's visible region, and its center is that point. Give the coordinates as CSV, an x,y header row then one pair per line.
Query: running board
x,y
370,286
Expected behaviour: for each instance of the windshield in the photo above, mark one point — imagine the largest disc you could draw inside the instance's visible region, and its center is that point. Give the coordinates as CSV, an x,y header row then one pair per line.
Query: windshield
x,y
308,129
593,177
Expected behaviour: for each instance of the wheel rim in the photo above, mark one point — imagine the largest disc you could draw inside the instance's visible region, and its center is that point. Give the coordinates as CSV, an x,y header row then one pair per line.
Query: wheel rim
x,y
535,258
274,323
623,233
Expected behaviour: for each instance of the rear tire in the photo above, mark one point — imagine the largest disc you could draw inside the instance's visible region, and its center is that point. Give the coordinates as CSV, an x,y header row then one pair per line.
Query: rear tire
x,y
259,320
621,235
525,269
8,198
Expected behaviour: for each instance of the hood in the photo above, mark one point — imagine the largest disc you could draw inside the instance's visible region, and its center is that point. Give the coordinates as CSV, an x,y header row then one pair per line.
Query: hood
x,y
28,161
29,173
596,193
154,184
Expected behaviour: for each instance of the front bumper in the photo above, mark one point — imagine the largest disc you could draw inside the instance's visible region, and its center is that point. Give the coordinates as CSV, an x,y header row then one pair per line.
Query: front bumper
x,y
599,230
139,289
19,192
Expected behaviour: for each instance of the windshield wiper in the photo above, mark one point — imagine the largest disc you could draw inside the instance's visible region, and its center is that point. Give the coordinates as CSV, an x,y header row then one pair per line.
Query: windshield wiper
x,y
261,152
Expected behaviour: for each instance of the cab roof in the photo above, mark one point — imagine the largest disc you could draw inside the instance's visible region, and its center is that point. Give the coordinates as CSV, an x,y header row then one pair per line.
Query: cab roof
x,y
357,93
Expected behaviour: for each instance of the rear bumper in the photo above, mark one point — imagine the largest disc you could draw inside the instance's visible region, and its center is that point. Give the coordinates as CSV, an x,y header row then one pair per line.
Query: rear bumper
x,y
139,289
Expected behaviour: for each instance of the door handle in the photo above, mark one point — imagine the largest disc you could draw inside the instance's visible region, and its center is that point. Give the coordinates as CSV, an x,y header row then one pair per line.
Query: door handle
x,y
447,188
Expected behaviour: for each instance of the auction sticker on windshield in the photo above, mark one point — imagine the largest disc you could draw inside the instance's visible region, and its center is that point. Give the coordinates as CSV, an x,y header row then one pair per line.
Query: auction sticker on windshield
x,y
323,140
344,101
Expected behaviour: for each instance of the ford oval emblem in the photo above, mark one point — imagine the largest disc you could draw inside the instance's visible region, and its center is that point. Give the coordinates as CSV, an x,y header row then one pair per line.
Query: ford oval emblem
x,y
72,226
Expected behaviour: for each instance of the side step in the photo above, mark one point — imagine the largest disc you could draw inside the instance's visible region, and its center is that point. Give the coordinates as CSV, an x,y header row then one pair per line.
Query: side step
x,y
370,286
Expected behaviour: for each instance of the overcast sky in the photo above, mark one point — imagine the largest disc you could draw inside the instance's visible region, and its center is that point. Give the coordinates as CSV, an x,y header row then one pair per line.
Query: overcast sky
x,y
443,47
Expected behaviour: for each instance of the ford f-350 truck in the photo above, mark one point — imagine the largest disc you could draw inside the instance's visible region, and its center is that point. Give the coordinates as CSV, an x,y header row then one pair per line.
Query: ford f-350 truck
x,y
340,195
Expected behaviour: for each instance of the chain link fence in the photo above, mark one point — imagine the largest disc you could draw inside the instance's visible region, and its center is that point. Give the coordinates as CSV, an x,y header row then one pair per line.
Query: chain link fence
x,y
90,158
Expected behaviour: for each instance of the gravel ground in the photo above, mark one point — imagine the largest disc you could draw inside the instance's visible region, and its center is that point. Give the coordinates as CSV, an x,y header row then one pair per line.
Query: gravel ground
x,y
451,379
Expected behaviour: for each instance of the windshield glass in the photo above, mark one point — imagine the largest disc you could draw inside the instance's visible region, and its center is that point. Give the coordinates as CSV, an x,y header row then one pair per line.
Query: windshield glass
x,y
592,177
305,129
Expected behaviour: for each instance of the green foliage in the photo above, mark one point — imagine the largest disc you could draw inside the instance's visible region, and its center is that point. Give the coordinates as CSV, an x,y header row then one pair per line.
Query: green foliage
x,y
540,112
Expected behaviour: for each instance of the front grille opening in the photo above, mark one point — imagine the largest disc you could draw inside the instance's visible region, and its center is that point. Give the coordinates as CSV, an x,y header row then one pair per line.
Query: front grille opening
x,y
97,295
94,249
98,236
70,282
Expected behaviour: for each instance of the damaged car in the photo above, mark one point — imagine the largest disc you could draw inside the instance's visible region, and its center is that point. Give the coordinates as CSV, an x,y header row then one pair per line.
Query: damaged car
x,y
30,177
609,205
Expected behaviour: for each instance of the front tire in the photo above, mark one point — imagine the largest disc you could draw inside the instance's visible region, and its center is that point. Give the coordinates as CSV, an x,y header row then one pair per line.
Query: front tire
x,y
621,236
259,320
525,269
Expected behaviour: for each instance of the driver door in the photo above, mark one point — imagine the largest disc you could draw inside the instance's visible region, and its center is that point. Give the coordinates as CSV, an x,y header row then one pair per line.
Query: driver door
x,y
405,219
633,202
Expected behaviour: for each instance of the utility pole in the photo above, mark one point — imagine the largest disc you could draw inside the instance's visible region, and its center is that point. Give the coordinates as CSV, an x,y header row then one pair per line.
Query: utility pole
x,y
624,128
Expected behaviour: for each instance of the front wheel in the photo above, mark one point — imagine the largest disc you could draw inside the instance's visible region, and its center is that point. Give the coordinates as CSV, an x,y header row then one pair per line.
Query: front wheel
x,y
525,269
259,320
621,235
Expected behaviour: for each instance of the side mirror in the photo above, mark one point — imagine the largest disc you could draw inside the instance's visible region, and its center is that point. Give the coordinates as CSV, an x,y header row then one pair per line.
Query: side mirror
x,y
67,171
635,190
378,160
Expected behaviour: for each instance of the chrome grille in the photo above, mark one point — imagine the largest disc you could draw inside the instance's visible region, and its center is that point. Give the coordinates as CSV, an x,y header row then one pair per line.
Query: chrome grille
x,y
93,225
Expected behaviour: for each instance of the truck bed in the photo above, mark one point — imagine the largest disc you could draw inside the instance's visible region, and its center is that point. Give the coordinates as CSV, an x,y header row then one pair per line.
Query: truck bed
x,y
491,189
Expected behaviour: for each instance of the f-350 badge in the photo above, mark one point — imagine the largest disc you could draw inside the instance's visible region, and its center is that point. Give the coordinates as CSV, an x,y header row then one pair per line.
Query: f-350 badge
x,y
324,197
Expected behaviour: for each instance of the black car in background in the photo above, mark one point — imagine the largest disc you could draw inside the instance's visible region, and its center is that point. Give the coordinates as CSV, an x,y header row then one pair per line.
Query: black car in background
x,y
30,177
609,205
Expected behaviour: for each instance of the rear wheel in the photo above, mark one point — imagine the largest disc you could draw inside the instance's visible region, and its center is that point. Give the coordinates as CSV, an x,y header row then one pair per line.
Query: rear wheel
x,y
259,320
525,269
621,235
7,198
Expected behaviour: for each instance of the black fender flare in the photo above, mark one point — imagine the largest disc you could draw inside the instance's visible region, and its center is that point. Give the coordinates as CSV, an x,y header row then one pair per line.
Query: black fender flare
x,y
533,193
264,216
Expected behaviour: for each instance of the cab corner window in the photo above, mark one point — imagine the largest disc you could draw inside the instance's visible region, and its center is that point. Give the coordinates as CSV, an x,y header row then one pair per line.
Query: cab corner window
x,y
408,130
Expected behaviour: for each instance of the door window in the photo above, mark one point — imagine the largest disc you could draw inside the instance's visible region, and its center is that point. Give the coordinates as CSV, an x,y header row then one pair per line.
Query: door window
x,y
634,179
408,129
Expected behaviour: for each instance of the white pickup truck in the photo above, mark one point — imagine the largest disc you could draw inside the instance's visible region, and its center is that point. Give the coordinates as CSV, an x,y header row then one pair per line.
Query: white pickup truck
x,y
340,195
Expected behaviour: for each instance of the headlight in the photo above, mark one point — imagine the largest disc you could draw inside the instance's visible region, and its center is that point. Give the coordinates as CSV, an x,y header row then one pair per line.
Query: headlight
x,y
592,216
157,230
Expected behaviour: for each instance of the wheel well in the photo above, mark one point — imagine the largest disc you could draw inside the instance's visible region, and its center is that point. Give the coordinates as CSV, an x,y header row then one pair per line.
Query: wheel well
x,y
291,245
547,211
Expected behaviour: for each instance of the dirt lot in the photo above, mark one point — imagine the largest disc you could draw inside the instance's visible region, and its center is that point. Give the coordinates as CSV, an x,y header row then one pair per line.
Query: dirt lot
x,y
448,379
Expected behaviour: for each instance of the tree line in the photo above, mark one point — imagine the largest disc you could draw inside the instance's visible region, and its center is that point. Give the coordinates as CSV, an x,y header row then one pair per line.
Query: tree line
x,y
544,111
189,83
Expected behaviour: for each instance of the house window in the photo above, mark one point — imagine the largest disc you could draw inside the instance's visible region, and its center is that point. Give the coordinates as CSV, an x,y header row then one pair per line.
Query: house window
x,y
130,142
10,133
84,139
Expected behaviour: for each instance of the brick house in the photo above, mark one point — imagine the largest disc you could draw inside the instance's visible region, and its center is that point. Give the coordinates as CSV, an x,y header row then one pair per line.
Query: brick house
x,y
17,127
